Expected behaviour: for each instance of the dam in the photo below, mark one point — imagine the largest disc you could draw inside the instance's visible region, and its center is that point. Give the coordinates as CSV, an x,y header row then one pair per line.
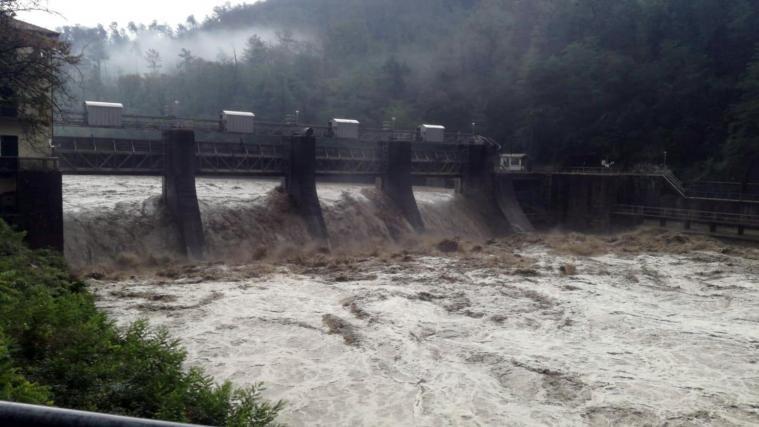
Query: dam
x,y
394,161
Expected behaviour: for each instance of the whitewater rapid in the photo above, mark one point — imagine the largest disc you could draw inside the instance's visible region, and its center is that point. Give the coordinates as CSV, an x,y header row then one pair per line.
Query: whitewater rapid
x,y
112,221
520,331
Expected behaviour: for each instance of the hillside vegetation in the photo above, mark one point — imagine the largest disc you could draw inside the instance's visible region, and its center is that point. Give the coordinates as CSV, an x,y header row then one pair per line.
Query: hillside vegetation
x,y
568,81
57,348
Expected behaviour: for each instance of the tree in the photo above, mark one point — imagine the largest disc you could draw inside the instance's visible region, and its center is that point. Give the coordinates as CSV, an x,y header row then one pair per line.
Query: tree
x,y
742,148
154,60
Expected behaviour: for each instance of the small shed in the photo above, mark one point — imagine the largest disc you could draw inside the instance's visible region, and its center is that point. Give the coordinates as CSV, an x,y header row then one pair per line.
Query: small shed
x,y
344,128
431,133
105,114
238,121
513,162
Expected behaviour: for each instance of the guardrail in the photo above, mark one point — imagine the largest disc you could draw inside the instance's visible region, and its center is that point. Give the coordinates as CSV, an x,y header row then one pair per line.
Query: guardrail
x,y
20,414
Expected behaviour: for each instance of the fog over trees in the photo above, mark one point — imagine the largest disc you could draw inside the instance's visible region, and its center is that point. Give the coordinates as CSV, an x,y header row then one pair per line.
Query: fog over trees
x,y
567,81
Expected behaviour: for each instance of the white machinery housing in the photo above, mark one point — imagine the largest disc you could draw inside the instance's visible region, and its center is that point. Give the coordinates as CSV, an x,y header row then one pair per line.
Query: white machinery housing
x,y
238,121
432,133
103,113
513,162
344,128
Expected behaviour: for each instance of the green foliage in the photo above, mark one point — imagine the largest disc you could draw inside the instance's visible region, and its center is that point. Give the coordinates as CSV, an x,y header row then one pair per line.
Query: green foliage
x,y
57,348
568,81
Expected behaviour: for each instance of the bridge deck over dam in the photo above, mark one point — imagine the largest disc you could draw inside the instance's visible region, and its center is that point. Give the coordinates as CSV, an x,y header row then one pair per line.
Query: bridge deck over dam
x,y
178,150
88,150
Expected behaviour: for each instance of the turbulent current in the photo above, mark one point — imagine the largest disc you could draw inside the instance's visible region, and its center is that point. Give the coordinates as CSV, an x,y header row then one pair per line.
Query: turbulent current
x,y
449,328
120,220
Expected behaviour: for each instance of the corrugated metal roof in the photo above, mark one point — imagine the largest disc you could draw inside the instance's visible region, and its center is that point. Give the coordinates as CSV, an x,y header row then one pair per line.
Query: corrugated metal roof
x,y
238,113
103,104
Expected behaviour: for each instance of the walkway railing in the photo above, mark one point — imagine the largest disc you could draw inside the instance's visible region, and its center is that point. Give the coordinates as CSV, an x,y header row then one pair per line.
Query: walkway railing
x,y
697,216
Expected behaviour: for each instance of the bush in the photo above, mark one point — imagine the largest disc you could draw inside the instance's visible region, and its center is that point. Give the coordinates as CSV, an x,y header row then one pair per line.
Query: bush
x,y
57,348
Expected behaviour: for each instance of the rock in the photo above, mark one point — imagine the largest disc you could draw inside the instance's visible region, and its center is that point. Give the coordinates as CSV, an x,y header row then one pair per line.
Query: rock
x,y
448,246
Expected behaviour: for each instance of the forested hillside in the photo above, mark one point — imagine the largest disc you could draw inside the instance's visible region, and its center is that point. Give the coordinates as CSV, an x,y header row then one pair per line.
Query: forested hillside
x,y
568,81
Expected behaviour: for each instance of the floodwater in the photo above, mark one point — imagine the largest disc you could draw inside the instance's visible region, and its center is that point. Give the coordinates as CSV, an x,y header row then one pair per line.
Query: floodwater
x,y
648,328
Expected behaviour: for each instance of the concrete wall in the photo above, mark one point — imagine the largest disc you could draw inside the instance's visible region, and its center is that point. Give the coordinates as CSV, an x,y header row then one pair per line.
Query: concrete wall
x,y
35,144
39,201
585,202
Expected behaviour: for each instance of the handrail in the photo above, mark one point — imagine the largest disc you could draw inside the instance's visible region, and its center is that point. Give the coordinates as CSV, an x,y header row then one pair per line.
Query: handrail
x,y
21,414
688,214
674,182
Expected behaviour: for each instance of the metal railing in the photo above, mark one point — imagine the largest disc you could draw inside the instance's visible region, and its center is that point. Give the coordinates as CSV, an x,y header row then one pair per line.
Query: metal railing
x,y
134,121
122,156
239,158
20,414
438,163
725,191
698,216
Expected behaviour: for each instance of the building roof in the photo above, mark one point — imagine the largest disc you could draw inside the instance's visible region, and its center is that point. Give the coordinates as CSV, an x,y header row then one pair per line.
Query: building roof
x,y
345,121
238,113
25,26
103,104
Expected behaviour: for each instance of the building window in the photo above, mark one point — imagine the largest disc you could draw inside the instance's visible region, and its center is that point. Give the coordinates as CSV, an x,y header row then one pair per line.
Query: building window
x,y
8,146
8,107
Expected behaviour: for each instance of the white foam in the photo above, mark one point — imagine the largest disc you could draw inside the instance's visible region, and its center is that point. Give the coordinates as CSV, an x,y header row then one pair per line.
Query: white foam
x,y
449,344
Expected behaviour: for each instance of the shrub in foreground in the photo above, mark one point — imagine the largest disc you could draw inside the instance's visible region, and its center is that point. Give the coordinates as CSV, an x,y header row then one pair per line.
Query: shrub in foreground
x,y
57,348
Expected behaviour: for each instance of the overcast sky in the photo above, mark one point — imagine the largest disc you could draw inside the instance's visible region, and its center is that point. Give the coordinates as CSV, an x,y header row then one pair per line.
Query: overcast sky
x,y
93,12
